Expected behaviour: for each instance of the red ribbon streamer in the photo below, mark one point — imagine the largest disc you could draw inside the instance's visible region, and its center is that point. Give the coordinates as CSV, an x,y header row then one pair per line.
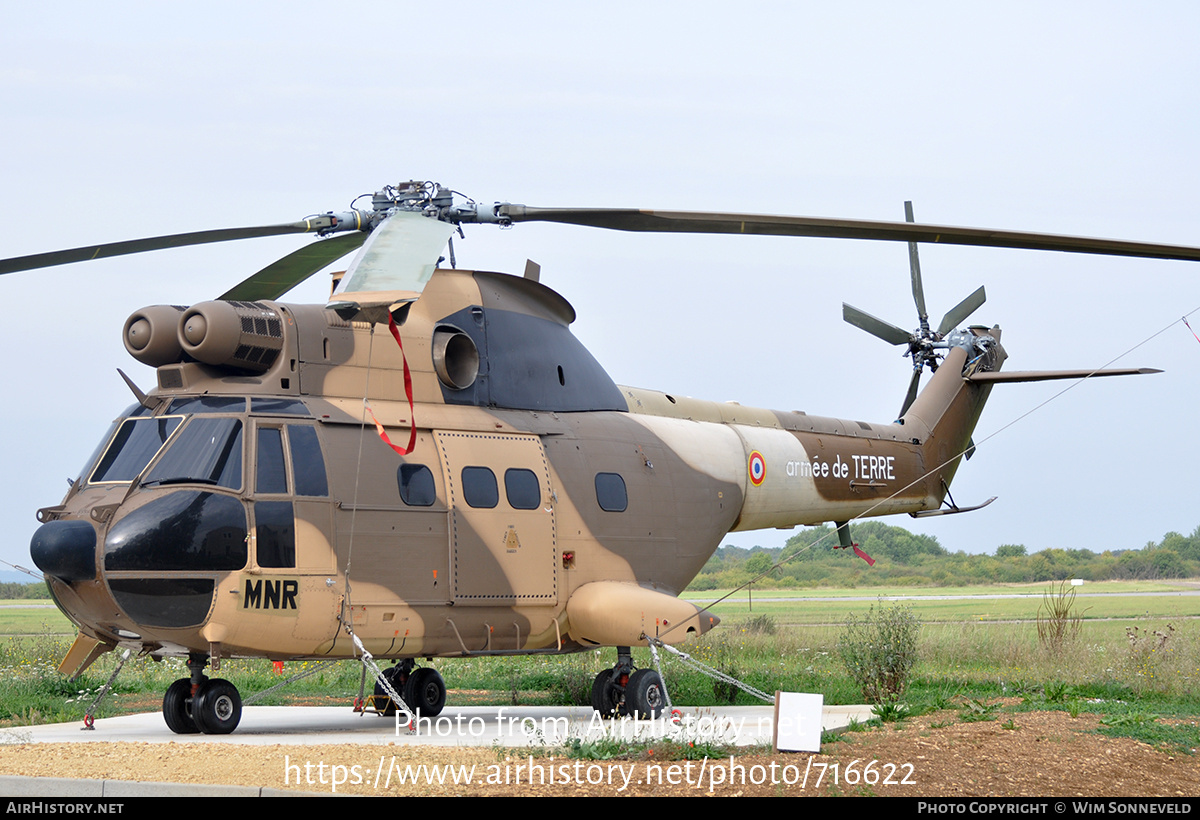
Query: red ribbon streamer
x,y
870,561
408,391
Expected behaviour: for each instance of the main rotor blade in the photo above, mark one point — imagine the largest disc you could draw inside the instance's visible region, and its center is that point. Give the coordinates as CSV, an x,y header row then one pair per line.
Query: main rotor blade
x,y
876,327
284,274
155,243
914,269
393,266
709,222
955,316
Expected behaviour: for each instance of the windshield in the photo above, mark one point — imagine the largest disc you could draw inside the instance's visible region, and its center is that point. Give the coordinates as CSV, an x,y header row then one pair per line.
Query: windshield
x,y
207,451
136,442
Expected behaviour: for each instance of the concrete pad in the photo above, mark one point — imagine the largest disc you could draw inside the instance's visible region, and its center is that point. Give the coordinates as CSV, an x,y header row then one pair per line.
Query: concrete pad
x,y
514,726
456,726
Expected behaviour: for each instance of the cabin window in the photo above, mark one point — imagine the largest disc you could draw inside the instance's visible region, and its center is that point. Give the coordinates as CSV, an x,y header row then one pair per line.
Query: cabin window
x,y
207,451
521,488
416,485
480,488
610,492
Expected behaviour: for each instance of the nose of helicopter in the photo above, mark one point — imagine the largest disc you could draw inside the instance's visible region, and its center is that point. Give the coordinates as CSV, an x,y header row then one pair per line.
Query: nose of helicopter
x,y
65,550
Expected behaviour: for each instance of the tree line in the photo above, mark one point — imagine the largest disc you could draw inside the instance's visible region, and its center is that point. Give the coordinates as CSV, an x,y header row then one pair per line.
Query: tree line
x,y
811,558
15,590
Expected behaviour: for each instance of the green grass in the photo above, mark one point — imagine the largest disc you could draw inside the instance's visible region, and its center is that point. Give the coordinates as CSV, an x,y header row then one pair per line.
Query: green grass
x,y
1036,590
834,608
1146,688
34,620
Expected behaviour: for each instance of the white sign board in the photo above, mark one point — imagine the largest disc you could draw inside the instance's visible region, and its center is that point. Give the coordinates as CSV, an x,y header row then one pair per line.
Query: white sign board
x,y
798,722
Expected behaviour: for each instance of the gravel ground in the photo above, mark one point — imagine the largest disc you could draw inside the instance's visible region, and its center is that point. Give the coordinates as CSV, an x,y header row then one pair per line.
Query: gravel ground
x,y
1038,754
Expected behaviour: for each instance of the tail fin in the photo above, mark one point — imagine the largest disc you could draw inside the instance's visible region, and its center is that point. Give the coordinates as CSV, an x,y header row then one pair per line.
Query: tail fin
x,y
944,414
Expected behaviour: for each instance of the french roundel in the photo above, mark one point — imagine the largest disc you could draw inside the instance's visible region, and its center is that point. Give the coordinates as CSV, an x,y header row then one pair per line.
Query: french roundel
x,y
757,468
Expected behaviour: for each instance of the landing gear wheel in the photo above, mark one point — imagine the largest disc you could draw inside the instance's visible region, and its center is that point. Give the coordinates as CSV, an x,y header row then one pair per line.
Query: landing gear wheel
x,y
645,696
425,692
217,707
177,708
382,702
607,698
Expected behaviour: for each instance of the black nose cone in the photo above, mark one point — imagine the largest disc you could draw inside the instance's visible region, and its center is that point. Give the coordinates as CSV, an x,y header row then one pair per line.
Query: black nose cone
x,y
65,550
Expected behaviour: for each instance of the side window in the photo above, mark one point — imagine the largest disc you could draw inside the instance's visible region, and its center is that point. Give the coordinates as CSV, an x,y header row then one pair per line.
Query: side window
x,y
521,488
479,487
271,473
308,466
610,492
416,485
275,534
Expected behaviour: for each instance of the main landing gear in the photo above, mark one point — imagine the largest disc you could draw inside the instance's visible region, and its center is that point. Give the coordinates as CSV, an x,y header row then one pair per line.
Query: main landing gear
x,y
627,692
201,704
422,689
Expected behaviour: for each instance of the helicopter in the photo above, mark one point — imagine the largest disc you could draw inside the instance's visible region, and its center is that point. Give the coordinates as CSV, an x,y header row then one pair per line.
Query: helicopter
x,y
431,465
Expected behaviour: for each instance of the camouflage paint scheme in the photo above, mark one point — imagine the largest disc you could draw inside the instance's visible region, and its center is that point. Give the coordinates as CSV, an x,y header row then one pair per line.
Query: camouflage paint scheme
x,y
450,579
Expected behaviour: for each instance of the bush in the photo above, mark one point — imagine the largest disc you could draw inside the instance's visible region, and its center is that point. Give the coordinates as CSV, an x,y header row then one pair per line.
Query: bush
x,y
761,625
1058,622
879,651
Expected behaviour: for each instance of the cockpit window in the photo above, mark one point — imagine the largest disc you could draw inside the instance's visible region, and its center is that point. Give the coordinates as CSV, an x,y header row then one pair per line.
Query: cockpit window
x,y
307,461
272,474
136,442
207,451
95,456
209,404
279,407
132,411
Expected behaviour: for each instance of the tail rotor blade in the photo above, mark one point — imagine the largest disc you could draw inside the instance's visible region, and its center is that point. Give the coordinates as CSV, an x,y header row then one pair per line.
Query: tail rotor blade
x,y
955,316
876,327
913,385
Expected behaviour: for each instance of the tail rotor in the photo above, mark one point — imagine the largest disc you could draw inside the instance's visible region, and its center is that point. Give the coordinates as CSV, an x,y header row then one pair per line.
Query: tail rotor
x,y
923,342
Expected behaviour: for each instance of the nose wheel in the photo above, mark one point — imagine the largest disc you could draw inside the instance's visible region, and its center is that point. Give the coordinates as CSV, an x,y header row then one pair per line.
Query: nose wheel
x,y
200,704
217,707
177,708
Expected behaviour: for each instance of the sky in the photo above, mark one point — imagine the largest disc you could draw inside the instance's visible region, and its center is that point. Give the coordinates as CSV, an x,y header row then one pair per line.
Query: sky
x,y
1077,118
